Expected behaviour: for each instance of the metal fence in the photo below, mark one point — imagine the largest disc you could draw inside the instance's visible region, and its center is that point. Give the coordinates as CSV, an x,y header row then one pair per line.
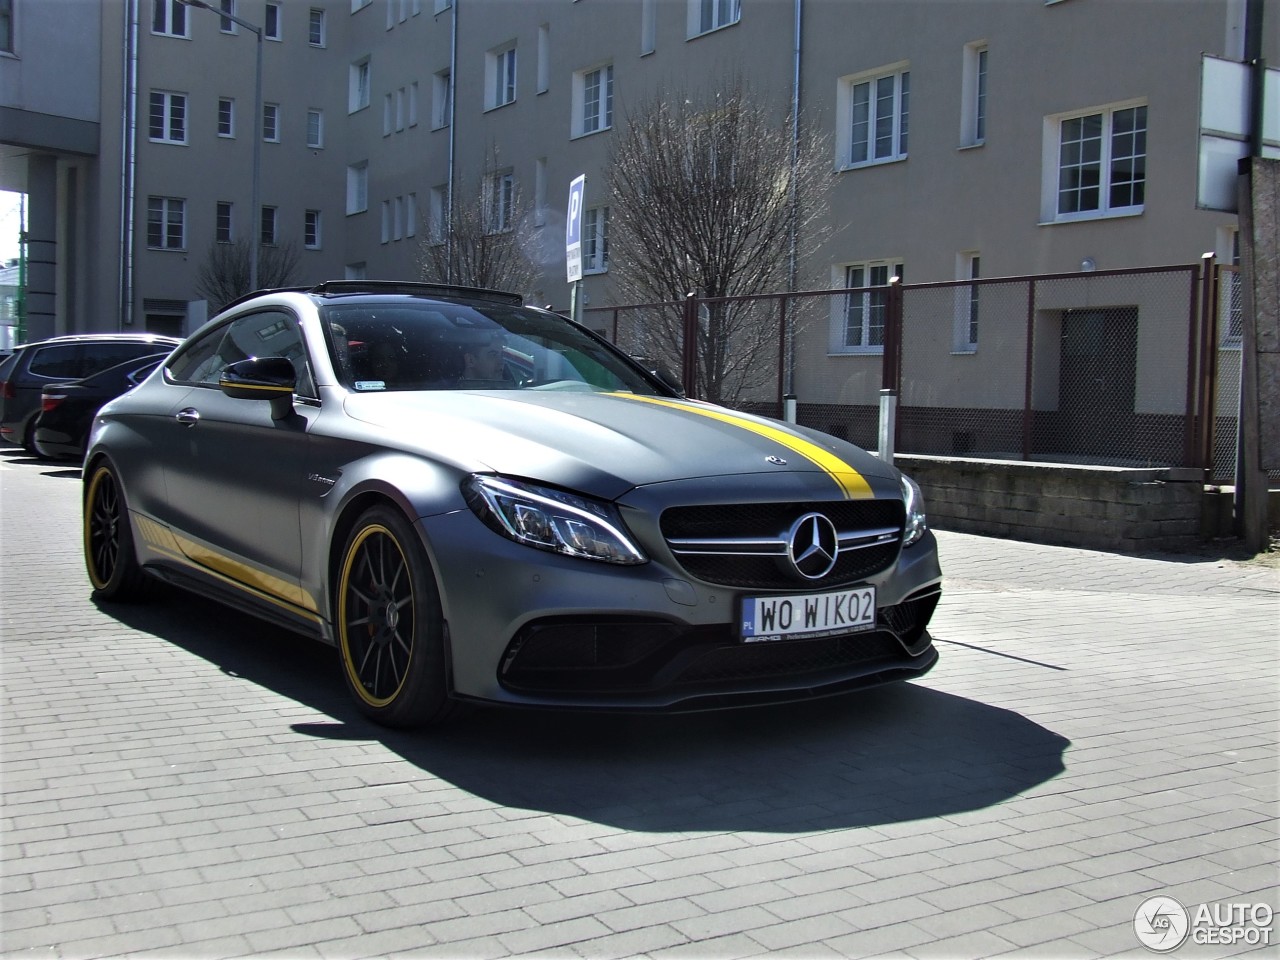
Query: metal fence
x,y
1124,368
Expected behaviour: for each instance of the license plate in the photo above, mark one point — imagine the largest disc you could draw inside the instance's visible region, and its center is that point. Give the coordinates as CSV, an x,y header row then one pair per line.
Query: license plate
x,y
808,615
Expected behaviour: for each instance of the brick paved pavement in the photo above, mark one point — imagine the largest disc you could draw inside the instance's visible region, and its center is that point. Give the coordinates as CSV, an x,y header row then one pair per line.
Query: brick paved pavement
x,y
181,781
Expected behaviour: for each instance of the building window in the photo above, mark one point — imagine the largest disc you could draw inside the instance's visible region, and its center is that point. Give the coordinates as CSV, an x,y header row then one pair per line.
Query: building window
x,y
168,121
225,23
169,18
226,117
435,214
271,122
386,221
358,187
411,215
316,28
1101,163
441,100
413,104
544,58
973,92
311,230
442,5
875,112
400,98
968,300
6,26
267,231
500,202
315,128
271,25
222,229
166,223
708,15
861,321
357,5
593,91
648,26
595,240
386,115
500,77
358,93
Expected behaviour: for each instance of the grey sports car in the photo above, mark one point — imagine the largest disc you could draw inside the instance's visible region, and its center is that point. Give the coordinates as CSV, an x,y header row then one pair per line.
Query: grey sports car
x,y
474,500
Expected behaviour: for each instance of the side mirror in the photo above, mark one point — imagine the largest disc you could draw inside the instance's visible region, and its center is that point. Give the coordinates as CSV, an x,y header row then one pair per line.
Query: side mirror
x,y
262,378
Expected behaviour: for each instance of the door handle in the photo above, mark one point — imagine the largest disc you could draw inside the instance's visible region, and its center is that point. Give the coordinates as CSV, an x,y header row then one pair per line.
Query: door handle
x,y
188,416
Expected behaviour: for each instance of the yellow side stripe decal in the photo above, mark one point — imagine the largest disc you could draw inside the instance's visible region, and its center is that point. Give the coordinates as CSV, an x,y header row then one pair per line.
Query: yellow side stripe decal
x,y
849,480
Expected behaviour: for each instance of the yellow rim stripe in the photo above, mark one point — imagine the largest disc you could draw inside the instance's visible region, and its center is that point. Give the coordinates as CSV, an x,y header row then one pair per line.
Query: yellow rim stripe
x,y
849,480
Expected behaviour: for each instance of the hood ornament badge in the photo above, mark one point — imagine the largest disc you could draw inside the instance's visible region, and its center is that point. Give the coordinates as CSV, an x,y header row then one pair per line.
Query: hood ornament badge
x,y
776,461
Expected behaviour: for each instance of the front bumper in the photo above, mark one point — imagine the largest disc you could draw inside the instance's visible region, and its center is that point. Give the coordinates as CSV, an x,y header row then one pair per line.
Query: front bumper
x,y
532,628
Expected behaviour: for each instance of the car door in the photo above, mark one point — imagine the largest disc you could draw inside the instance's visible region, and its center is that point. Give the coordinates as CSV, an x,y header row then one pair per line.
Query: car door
x,y
233,473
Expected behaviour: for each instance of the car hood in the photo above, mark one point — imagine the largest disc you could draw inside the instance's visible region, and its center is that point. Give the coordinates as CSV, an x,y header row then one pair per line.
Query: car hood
x,y
605,444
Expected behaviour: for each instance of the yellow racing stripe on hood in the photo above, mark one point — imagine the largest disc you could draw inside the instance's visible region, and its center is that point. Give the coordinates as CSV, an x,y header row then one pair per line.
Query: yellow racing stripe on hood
x,y
849,480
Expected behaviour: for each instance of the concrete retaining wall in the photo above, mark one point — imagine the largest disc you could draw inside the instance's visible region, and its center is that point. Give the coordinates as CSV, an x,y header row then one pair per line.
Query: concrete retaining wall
x,y
1102,508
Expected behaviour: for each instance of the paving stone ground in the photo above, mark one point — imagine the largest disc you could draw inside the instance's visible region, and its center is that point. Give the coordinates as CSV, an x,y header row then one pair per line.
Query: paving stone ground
x,y
181,781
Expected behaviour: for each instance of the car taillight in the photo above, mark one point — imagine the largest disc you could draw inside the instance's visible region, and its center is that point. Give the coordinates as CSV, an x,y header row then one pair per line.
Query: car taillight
x,y
49,401
7,390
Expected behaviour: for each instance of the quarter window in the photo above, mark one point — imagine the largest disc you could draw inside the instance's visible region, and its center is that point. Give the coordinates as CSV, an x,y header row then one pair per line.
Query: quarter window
x,y
166,223
1101,163
168,120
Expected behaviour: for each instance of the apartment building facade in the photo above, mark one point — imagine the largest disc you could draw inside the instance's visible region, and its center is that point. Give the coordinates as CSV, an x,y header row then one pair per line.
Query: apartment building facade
x,y
967,138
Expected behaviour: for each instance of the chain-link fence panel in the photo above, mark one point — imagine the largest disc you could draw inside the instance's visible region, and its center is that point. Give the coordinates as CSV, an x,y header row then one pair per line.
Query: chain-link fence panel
x,y
1228,341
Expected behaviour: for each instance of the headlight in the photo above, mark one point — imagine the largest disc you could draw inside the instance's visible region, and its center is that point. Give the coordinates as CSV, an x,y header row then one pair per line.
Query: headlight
x,y
913,500
552,519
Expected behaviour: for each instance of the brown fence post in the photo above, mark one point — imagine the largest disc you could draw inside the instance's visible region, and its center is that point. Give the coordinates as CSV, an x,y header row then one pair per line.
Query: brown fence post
x,y
1027,384
1209,311
782,357
689,349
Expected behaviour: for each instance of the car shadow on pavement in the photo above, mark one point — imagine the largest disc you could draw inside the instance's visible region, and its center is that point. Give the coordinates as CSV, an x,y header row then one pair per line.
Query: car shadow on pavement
x,y
891,754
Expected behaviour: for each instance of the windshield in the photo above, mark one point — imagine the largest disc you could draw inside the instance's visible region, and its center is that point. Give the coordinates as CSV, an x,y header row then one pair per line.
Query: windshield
x,y
403,344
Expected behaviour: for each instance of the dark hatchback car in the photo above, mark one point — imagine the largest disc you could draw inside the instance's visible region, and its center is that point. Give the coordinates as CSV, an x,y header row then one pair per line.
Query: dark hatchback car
x,y
33,365
67,409
474,500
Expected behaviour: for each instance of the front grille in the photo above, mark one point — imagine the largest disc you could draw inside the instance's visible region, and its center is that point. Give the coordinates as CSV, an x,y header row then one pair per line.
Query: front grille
x,y
745,545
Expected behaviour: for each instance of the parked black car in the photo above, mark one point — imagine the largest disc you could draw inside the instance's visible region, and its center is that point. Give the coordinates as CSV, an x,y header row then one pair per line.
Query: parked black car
x,y
67,409
61,359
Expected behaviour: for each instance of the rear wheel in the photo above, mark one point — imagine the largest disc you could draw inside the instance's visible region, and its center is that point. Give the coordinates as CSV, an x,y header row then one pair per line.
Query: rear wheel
x,y
389,623
109,555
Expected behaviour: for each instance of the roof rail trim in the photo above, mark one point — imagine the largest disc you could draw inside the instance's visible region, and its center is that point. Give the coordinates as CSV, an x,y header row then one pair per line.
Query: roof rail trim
x,y
412,288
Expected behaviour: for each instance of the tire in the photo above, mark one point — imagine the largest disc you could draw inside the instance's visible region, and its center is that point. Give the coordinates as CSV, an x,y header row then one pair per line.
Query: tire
x,y
389,623
109,555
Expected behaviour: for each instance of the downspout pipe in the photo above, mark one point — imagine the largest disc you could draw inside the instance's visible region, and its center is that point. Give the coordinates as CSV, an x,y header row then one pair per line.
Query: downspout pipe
x,y
128,163
453,145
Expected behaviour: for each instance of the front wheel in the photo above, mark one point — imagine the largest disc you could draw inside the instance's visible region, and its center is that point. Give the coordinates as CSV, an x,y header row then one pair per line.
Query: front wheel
x,y
389,623
109,555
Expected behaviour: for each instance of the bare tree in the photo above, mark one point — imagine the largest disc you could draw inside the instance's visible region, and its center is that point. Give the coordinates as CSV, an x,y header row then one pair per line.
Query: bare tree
x,y
484,240
713,195
224,274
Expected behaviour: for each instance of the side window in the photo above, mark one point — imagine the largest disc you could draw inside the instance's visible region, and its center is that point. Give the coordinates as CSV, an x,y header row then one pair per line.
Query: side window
x,y
267,333
97,357
56,362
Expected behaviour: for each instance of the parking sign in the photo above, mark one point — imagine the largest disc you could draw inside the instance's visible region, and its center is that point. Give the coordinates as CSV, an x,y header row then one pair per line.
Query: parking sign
x,y
573,230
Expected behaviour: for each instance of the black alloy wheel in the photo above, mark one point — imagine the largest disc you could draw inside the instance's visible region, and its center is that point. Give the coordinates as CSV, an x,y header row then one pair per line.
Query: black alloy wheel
x,y
390,627
109,555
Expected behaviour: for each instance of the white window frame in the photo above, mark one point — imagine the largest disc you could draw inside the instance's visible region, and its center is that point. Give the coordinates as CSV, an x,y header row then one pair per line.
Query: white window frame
x,y
968,303
595,240
593,100
441,100
544,58
358,187
229,132
312,235
315,128
172,212
169,19
269,225
864,305
1057,153
173,112
500,202
271,123
436,203
219,235
317,32
386,115
648,27
708,16
413,104
500,76
385,208
225,23
410,215
856,147
273,31
399,109
973,95
359,85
